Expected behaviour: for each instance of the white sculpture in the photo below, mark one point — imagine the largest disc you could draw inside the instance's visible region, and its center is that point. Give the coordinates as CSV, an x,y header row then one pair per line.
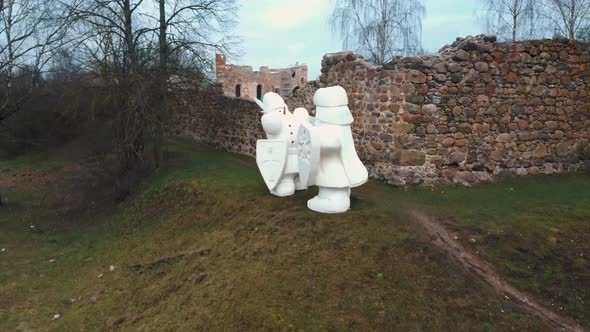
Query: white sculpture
x,y
327,156
301,151
276,156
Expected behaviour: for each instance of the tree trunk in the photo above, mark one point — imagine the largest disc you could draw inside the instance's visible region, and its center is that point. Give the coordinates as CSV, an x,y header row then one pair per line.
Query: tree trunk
x,y
162,85
132,126
11,59
514,26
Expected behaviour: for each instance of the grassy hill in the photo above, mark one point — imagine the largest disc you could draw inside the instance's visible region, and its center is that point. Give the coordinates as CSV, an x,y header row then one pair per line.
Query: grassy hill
x,y
204,246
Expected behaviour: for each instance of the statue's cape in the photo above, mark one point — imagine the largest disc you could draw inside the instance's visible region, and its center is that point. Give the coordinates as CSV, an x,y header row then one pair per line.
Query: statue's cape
x,y
356,171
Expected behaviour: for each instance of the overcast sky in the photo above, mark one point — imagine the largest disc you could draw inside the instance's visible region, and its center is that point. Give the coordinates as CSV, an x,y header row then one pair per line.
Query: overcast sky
x,y
280,33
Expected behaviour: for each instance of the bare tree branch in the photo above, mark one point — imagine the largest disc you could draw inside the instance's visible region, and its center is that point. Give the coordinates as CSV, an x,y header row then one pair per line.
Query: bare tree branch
x,y
380,29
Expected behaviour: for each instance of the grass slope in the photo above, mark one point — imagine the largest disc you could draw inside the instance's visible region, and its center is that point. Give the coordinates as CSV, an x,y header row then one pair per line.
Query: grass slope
x,y
204,246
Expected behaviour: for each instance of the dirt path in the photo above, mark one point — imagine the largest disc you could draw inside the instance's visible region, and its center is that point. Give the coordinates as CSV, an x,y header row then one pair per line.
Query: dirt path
x,y
443,239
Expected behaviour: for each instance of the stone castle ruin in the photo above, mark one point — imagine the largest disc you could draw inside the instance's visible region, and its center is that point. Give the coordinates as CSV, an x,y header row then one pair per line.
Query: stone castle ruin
x,y
244,82
475,111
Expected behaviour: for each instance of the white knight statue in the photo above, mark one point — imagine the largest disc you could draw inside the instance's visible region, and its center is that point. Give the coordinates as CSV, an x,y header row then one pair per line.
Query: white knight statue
x,y
327,153
276,156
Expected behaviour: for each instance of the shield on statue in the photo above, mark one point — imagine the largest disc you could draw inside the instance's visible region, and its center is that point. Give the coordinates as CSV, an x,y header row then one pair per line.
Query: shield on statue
x,y
308,155
271,157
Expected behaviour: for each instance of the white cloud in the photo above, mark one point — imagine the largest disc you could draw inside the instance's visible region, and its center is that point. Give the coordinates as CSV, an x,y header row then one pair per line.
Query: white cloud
x,y
287,14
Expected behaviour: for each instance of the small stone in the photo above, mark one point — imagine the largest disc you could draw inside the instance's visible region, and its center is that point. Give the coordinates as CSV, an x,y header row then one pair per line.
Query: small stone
x,y
562,149
447,142
550,69
559,134
539,90
461,55
454,67
536,125
482,67
402,128
457,158
465,128
534,170
551,124
3,250
498,154
112,268
56,317
440,68
397,181
429,109
512,78
540,151
514,57
483,99
440,77
416,76
412,108
52,261
522,172
504,138
94,299
100,276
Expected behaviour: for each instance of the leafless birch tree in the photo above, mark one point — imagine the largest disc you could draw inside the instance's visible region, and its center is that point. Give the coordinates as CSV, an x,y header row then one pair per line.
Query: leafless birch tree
x,y
513,19
380,29
567,17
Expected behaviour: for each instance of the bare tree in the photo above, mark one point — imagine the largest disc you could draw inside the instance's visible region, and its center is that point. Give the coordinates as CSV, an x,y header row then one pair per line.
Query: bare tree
x,y
30,32
380,29
194,27
567,17
130,43
584,34
512,19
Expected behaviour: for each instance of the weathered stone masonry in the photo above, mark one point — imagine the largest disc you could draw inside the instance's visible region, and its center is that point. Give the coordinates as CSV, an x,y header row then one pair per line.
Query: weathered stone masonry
x,y
244,82
477,109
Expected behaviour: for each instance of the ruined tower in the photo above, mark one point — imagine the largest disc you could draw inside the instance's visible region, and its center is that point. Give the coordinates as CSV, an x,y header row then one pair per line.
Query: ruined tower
x,y
244,82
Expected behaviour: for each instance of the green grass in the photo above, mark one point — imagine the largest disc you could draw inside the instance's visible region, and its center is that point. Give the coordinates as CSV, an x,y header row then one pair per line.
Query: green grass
x,y
204,246
536,231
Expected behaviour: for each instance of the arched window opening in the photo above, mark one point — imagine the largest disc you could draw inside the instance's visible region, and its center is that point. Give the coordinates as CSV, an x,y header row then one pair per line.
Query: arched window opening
x,y
238,90
302,80
295,90
293,75
259,91
277,90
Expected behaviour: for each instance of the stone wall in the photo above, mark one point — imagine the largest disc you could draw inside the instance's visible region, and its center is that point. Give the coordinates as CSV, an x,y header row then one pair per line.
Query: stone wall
x,y
476,110
208,116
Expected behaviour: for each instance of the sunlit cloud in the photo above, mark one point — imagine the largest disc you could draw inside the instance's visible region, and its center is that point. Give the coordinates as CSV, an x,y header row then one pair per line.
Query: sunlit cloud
x,y
286,15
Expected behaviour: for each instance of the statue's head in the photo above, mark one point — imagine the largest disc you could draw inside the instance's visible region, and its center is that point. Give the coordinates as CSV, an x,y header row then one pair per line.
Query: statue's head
x,y
332,106
271,102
